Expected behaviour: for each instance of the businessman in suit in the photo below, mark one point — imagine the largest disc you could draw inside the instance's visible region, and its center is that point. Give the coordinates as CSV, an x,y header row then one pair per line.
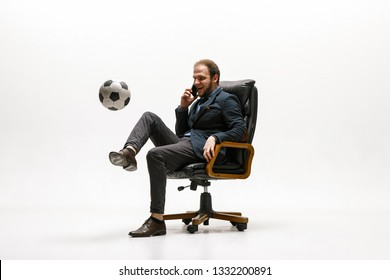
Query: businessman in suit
x,y
212,116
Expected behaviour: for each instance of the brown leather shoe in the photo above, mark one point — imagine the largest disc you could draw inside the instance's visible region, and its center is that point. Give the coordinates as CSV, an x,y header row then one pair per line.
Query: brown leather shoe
x,y
124,158
150,228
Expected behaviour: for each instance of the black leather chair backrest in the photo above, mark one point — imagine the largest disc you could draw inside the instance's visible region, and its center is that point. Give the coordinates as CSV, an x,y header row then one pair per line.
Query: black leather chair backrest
x,y
246,92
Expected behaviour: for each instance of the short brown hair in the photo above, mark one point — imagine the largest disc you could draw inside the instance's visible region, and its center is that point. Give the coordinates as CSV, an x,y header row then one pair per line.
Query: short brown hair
x,y
212,66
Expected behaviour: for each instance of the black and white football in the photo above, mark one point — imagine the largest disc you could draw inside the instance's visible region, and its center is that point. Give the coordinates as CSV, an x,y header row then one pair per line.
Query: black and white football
x,y
114,95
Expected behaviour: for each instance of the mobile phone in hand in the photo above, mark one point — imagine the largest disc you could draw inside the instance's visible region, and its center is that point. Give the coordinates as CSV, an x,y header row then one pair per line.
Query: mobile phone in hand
x,y
194,91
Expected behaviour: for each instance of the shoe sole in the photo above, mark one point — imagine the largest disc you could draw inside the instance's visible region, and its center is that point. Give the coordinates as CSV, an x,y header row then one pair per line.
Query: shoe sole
x,y
118,159
130,168
158,233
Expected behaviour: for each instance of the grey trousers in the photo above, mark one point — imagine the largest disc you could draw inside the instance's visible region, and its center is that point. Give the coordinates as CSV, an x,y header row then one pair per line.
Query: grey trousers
x,y
169,154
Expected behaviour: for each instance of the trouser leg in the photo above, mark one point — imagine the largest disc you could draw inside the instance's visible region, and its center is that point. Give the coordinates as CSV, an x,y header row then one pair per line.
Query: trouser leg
x,y
160,160
150,126
170,153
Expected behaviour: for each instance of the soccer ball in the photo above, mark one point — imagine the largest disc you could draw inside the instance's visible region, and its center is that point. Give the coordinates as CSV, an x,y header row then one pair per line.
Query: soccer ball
x,y
114,95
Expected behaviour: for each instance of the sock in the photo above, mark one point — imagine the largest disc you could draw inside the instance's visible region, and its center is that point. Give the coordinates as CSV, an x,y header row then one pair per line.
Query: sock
x,y
157,220
130,150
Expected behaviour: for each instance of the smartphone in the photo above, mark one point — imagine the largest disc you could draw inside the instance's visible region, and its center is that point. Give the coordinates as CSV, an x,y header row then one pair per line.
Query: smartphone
x,y
194,91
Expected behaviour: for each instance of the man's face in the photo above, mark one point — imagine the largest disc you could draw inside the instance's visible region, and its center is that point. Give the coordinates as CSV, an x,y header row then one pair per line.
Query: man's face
x,y
202,80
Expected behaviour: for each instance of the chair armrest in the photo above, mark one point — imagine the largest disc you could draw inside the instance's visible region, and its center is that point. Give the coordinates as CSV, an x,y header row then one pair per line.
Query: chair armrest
x,y
247,164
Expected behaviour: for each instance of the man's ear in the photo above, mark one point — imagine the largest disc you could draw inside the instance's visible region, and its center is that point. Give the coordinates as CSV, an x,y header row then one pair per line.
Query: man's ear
x,y
215,78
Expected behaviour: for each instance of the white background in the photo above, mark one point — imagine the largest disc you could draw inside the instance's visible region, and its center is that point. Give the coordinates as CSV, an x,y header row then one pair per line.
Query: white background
x,y
319,187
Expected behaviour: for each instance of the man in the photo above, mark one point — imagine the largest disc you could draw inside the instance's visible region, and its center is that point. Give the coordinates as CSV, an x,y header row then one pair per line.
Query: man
x,y
215,117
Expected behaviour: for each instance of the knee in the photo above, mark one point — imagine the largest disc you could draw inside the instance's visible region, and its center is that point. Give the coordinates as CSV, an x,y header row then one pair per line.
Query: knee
x,y
154,155
149,115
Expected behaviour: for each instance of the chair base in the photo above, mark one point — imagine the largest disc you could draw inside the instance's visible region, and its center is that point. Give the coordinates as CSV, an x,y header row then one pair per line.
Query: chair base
x,y
205,213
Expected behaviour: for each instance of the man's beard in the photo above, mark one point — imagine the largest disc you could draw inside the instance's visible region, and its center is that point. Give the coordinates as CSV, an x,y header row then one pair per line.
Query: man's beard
x,y
208,89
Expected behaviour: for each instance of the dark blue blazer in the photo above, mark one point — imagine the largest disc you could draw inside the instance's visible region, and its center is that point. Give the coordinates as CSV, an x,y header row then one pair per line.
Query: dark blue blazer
x,y
220,115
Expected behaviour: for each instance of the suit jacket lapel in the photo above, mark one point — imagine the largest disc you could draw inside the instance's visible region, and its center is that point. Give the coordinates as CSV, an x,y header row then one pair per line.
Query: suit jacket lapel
x,y
195,116
193,113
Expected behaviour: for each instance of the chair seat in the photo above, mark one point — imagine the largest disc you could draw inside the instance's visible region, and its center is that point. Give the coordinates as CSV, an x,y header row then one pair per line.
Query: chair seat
x,y
198,171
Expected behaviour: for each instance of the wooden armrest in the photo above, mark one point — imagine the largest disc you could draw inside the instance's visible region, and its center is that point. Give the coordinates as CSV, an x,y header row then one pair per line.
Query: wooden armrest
x,y
247,165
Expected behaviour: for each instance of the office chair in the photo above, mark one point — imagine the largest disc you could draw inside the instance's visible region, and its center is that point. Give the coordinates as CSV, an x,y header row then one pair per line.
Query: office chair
x,y
238,166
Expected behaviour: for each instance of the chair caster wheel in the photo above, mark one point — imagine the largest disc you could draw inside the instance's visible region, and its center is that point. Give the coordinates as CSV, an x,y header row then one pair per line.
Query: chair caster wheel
x,y
233,223
206,223
192,228
241,227
187,221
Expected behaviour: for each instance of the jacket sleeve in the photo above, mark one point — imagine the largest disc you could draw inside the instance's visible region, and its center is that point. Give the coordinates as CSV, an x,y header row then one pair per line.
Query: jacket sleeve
x,y
236,126
181,125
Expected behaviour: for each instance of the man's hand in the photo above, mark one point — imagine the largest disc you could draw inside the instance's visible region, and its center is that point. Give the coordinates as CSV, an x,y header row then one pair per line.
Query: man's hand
x,y
187,98
208,149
